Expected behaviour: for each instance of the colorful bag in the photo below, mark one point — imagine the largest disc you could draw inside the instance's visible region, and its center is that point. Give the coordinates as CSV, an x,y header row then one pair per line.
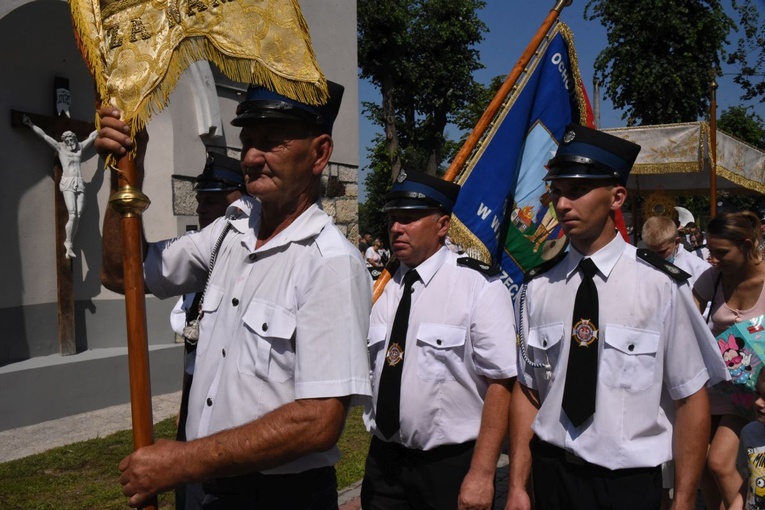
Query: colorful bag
x,y
743,350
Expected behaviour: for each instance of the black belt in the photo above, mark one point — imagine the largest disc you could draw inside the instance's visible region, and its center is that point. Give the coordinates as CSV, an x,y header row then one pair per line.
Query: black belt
x,y
551,451
253,483
437,453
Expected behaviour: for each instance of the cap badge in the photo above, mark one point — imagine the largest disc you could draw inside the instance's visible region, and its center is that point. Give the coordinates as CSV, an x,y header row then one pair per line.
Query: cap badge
x,y
569,136
401,177
394,355
585,333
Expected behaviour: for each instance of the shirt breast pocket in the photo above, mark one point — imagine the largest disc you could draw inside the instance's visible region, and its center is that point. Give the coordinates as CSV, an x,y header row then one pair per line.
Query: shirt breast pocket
x,y
376,345
441,351
629,357
269,350
544,343
210,304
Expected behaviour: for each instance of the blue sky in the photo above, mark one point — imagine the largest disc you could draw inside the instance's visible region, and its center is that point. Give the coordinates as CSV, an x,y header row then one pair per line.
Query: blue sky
x,y
512,24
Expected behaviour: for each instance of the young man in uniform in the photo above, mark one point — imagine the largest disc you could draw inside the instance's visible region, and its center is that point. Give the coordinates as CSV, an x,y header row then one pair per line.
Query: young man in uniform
x,y
283,323
441,343
612,372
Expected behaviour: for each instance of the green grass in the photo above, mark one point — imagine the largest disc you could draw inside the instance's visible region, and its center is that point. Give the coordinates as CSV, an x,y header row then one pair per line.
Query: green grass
x,y
84,475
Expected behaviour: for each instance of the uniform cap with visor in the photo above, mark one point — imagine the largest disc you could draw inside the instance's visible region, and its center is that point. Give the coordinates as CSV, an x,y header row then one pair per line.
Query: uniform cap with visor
x,y
262,104
587,153
221,173
418,190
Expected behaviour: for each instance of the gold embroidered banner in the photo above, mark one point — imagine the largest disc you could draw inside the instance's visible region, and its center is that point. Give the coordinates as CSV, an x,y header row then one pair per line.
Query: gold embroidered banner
x,y
137,49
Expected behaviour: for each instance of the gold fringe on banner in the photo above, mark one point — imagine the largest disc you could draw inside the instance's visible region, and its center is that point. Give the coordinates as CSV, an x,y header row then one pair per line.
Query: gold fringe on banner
x,y
137,49
568,36
468,241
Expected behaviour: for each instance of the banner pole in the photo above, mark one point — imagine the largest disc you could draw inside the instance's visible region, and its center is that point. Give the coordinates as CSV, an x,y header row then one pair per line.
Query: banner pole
x,y
130,203
483,123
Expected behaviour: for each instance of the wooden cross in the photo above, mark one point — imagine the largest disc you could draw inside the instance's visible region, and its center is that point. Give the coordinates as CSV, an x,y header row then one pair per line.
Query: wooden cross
x,y
54,126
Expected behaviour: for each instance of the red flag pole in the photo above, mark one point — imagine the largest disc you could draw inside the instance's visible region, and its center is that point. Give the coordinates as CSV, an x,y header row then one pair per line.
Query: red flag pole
x,y
488,115
130,203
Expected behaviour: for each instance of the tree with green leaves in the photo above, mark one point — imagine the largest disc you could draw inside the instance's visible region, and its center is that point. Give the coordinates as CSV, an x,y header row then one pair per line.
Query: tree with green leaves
x,y
377,183
749,54
421,55
661,56
747,126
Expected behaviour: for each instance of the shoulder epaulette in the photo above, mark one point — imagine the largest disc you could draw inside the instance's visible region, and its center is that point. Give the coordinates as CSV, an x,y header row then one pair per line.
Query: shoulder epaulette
x,y
481,267
663,265
543,267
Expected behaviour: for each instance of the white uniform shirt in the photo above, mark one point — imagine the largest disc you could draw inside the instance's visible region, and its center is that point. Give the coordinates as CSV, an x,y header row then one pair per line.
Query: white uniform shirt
x,y
284,322
461,335
691,264
652,348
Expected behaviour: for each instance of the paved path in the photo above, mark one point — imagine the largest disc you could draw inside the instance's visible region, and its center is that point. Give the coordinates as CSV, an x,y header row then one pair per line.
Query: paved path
x,y
25,441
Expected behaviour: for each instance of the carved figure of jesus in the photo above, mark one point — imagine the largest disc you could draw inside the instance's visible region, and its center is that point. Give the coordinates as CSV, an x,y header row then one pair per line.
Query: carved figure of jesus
x,y
69,151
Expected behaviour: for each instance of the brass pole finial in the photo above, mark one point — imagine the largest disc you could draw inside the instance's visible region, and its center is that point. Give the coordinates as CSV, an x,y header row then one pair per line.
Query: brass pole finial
x,y
560,4
129,201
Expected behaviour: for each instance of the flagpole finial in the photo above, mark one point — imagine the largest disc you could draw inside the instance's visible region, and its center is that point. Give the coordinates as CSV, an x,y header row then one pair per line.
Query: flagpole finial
x,y
560,4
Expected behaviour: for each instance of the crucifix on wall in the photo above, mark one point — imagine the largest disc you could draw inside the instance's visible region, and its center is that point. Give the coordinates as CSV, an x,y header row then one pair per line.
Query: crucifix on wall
x,y
62,134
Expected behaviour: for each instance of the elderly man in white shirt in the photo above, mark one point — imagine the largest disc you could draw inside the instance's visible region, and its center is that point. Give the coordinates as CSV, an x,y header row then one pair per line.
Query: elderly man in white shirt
x,y
285,312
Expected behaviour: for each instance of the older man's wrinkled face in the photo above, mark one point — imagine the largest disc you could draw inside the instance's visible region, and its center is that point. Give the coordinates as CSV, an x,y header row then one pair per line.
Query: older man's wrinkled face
x,y
278,160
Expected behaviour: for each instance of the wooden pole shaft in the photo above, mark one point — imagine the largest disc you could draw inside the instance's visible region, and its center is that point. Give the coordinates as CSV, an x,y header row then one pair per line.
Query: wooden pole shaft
x,y
135,310
713,150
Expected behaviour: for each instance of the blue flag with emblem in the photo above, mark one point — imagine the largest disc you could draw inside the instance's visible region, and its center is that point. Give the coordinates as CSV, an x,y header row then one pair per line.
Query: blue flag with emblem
x,y
504,214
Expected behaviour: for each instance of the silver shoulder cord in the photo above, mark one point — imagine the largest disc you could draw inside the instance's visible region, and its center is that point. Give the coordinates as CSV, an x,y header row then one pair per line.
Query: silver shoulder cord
x,y
191,331
521,343
213,257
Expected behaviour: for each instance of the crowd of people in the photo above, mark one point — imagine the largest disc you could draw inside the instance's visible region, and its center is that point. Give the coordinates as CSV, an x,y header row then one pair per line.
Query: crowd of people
x,y
604,377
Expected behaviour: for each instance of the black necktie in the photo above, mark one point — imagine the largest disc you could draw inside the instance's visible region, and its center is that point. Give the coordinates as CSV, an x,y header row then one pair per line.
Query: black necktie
x,y
389,394
582,371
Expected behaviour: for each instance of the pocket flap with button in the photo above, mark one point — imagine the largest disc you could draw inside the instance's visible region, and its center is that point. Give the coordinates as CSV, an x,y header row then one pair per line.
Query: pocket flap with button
x,y
376,334
441,336
547,336
631,341
212,298
268,320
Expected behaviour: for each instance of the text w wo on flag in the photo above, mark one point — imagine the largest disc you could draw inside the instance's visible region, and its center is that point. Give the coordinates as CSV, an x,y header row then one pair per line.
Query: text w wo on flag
x,y
504,214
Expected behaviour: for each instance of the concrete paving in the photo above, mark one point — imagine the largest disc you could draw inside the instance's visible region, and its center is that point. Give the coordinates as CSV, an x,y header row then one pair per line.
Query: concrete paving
x,y
24,441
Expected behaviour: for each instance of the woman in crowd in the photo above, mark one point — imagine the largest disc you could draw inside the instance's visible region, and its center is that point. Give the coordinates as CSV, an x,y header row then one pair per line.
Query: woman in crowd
x,y
735,289
372,254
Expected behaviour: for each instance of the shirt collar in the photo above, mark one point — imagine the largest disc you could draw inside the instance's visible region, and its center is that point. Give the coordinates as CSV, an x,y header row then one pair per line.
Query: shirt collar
x,y
428,268
309,224
604,259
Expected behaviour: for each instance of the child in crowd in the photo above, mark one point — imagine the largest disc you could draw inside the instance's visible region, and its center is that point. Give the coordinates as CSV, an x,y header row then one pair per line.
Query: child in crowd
x,y
751,456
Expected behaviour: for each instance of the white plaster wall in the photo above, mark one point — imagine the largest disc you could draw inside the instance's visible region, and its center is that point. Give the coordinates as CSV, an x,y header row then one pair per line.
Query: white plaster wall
x,y
39,45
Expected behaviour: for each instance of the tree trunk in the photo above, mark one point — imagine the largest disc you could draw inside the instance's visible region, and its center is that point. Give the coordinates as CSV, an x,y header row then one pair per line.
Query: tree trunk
x,y
391,135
